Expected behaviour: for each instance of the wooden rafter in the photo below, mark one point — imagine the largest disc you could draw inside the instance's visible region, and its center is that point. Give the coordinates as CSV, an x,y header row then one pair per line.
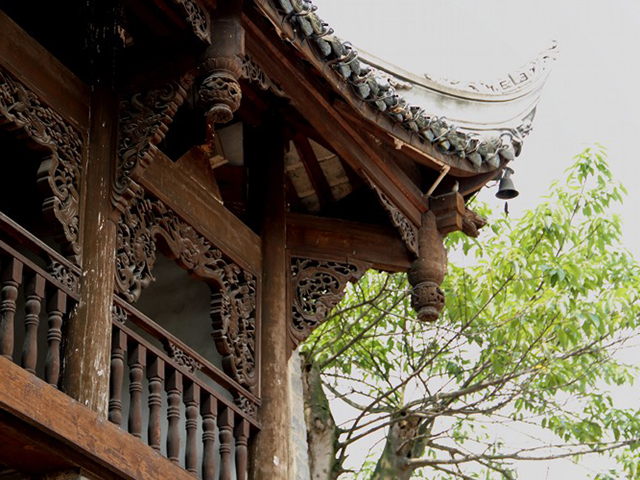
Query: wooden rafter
x,y
311,99
314,170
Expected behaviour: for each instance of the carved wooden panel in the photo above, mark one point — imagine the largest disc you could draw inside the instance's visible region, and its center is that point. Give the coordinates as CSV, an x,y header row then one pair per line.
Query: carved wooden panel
x,y
147,225
407,229
316,287
196,16
59,174
143,122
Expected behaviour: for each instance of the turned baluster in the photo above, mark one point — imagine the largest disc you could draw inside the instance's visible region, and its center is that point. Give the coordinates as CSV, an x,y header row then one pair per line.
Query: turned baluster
x,y
137,361
225,424
242,439
191,401
155,374
34,294
11,278
118,347
56,307
174,392
209,410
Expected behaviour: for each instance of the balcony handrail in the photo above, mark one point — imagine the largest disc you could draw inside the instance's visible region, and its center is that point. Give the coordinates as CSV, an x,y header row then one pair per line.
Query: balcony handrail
x,y
39,270
162,335
33,243
187,373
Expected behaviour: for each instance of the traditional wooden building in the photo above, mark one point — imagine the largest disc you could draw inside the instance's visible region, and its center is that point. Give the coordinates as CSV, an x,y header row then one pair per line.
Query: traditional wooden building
x,y
187,186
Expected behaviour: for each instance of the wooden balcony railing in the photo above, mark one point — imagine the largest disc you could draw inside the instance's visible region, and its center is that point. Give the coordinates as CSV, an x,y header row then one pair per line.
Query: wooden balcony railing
x,y
29,293
201,428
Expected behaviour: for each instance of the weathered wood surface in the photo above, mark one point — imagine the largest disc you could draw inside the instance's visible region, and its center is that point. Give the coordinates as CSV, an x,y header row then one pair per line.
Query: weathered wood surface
x,y
343,241
309,98
270,457
36,67
78,434
88,352
172,185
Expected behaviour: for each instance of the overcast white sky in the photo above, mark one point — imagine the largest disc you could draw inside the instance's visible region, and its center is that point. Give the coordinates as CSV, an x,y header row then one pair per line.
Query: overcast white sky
x,y
591,96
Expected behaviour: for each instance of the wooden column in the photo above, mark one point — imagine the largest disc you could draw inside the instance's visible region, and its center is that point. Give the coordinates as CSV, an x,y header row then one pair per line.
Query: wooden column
x,y
270,457
88,340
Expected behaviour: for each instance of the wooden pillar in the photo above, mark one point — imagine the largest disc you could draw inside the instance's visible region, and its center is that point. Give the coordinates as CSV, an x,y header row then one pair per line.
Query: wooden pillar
x,y
270,450
88,335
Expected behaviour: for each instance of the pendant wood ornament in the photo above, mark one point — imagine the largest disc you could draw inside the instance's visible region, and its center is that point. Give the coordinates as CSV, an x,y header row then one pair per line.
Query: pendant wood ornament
x,y
219,92
447,213
428,270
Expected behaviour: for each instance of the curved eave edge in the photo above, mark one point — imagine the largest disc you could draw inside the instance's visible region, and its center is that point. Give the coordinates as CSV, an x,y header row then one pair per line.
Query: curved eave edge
x,y
482,151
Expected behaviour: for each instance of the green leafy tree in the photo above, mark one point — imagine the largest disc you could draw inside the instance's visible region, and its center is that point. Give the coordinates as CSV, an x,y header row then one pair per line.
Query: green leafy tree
x,y
537,311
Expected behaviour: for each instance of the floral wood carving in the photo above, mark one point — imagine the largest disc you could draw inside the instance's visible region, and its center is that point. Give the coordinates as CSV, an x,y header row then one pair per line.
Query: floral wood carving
x,y
408,231
59,173
181,358
65,275
316,287
197,17
148,225
253,72
119,315
144,121
246,405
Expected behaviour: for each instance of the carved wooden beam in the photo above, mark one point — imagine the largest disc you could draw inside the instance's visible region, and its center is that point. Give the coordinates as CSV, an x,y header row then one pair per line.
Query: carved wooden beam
x,y
343,241
22,112
316,287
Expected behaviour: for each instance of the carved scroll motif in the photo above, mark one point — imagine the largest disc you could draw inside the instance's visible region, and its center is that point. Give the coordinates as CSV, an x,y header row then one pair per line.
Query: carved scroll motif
x,y
144,121
59,173
408,231
147,225
246,405
64,275
181,358
316,287
197,17
252,72
119,315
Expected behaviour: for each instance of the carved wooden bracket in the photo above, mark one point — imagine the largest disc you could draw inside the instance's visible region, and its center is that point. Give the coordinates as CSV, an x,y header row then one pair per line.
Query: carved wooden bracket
x,y
196,16
407,229
143,123
316,287
59,173
148,225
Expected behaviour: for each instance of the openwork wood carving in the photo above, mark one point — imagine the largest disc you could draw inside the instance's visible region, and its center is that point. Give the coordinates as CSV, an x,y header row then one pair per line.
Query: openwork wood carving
x,y
144,121
197,17
316,287
148,225
59,174
408,231
252,72
68,277
181,358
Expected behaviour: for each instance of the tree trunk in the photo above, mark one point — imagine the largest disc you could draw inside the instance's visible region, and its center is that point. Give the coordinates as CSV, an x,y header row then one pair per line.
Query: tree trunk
x,y
397,450
322,432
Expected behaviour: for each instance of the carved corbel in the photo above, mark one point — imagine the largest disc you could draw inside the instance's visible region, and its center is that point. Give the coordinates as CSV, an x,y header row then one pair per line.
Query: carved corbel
x,y
316,287
22,111
447,214
408,231
219,93
144,120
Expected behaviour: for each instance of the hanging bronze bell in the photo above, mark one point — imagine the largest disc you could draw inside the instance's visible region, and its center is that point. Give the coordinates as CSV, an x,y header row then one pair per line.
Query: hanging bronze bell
x,y
506,189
